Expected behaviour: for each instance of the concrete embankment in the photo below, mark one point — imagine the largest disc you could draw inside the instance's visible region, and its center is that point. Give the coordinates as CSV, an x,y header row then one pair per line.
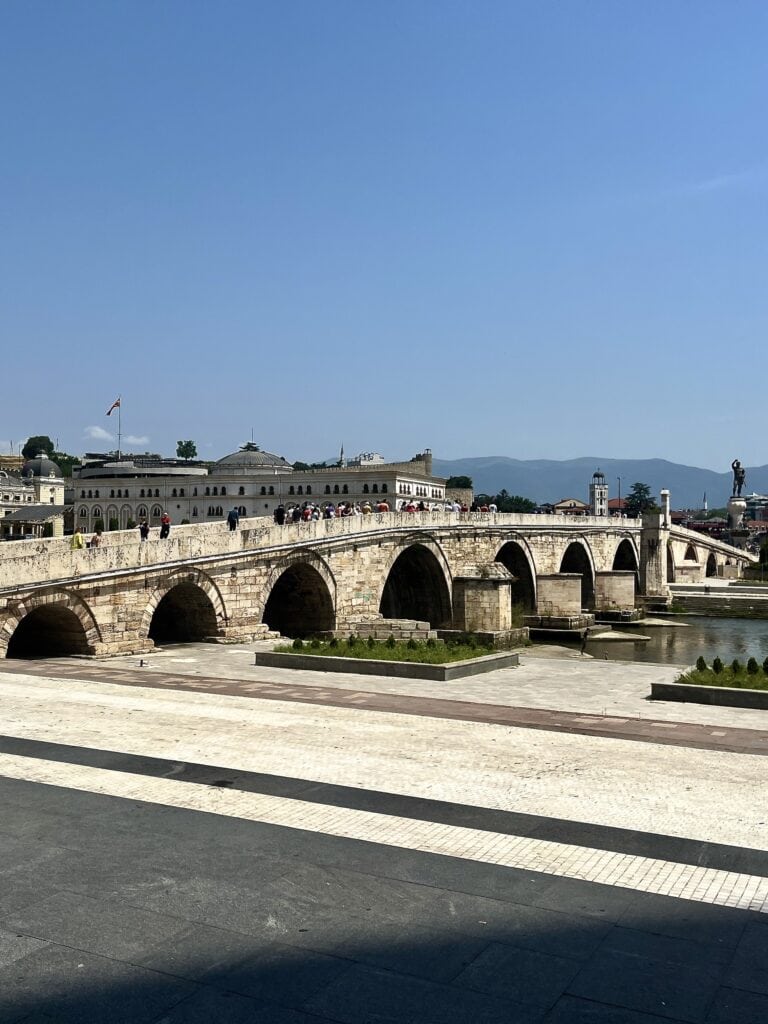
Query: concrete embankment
x,y
736,601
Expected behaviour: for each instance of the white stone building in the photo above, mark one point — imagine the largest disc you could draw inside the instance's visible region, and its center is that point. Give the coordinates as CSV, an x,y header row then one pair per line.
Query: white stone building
x,y
118,494
40,486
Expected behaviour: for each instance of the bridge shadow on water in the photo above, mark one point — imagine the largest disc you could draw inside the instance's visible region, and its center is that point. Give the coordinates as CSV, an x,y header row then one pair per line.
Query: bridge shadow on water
x,y
119,911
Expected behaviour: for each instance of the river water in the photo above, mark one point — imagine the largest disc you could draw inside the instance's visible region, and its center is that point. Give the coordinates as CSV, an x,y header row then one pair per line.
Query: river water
x,y
682,645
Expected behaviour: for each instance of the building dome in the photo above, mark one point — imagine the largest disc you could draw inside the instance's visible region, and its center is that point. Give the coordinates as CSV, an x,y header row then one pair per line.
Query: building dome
x,y
249,458
40,466
598,477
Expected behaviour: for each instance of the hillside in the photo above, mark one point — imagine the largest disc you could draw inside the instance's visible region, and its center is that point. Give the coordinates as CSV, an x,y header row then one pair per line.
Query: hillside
x,y
546,480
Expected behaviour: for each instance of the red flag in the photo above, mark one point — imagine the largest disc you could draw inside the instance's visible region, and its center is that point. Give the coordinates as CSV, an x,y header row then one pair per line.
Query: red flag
x,y
115,405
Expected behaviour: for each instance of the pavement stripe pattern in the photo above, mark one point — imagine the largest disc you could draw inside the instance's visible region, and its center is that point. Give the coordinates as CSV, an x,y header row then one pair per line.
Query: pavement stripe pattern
x,y
642,874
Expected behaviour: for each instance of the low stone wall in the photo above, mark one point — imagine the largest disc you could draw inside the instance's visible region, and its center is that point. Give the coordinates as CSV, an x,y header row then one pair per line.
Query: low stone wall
x,y
398,669
721,696
729,606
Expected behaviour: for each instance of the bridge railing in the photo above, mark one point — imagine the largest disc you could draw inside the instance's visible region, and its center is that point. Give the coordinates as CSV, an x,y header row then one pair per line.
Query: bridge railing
x,y
50,560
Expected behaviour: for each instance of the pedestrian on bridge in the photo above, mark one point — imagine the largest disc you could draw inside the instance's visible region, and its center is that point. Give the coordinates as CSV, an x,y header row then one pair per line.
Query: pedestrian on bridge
x,y
165,525
233,518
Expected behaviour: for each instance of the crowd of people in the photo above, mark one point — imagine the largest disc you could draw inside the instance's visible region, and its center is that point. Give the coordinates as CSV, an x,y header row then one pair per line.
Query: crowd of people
x,y
311,512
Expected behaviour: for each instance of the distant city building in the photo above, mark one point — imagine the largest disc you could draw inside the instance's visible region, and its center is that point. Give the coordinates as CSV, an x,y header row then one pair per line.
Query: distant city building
x,y
255,482
31,500
367,459
570,507
598,494
757,506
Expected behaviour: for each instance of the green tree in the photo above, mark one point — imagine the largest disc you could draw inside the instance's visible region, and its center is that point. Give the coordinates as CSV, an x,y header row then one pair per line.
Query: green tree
x,y
514,503
463,482
186,450
35,445
639,500
506,502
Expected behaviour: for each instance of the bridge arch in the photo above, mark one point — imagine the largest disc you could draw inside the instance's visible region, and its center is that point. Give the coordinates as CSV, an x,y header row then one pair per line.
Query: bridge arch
x,y
516,556
301,597
711,569
578,558
625,560
417,583
691,555
52,624
185,608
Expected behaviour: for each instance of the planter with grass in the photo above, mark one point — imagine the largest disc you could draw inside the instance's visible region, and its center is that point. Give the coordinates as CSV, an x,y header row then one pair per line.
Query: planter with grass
x,y
413,659
733,685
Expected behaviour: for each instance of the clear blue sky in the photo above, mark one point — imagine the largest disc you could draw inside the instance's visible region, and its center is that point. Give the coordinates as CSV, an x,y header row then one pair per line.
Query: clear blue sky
x,y
531,229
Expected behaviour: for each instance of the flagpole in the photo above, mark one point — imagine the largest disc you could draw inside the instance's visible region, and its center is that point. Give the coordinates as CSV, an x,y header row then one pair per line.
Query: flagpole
x,y
119,424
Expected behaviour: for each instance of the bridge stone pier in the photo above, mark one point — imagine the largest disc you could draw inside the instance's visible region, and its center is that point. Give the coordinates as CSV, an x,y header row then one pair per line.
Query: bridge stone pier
x,y
460,571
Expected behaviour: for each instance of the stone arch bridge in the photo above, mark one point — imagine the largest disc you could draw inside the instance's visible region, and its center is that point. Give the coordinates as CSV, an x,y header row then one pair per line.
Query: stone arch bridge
x,y
462,571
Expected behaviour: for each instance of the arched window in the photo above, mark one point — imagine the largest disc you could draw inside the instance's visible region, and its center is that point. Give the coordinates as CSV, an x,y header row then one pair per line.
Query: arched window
x,y
112,493
241,490
156,511
141,511
95,494
300,489
97,513
141,493
83,512
309,489
82,494
241,510
335,488
207,491
194,510
345,489
271,490
173,493
375,488
263,490
223,490
327,488
157,492
215,491
291,490
194,492
90,494
365,488
383,488
211,510
219,510
181,492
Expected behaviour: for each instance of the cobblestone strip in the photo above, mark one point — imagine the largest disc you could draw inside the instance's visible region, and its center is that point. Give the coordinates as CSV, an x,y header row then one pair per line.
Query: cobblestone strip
x,y
642,874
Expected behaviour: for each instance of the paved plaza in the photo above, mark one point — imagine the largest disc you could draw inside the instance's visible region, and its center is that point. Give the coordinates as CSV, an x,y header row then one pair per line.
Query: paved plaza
x,y
201,840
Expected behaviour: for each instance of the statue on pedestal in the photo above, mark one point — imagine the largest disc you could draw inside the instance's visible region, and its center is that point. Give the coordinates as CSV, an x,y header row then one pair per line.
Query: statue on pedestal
x,y
739,475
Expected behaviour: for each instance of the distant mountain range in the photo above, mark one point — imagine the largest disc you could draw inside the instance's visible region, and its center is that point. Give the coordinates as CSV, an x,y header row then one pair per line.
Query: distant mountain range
x,y
545,480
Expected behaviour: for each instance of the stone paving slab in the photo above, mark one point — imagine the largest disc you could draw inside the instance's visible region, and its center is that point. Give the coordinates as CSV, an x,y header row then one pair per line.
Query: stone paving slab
x,y
404,952
269,903
548,678
686,734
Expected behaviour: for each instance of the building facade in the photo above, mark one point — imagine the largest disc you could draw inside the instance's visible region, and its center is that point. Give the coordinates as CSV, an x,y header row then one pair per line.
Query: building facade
x,y
32,499
117,495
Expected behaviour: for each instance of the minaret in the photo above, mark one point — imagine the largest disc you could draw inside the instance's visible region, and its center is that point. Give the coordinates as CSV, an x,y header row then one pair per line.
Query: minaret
x,y
598,494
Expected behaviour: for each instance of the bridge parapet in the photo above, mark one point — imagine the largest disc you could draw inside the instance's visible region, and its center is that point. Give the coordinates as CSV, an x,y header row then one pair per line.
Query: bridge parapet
x,y
25,563
701,540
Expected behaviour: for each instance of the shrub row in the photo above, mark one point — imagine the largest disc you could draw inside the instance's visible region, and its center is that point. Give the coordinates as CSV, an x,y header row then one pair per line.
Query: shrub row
x,y
753,668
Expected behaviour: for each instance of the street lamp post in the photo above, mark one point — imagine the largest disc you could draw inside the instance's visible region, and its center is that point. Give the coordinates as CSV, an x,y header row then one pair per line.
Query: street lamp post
x,y
619,479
